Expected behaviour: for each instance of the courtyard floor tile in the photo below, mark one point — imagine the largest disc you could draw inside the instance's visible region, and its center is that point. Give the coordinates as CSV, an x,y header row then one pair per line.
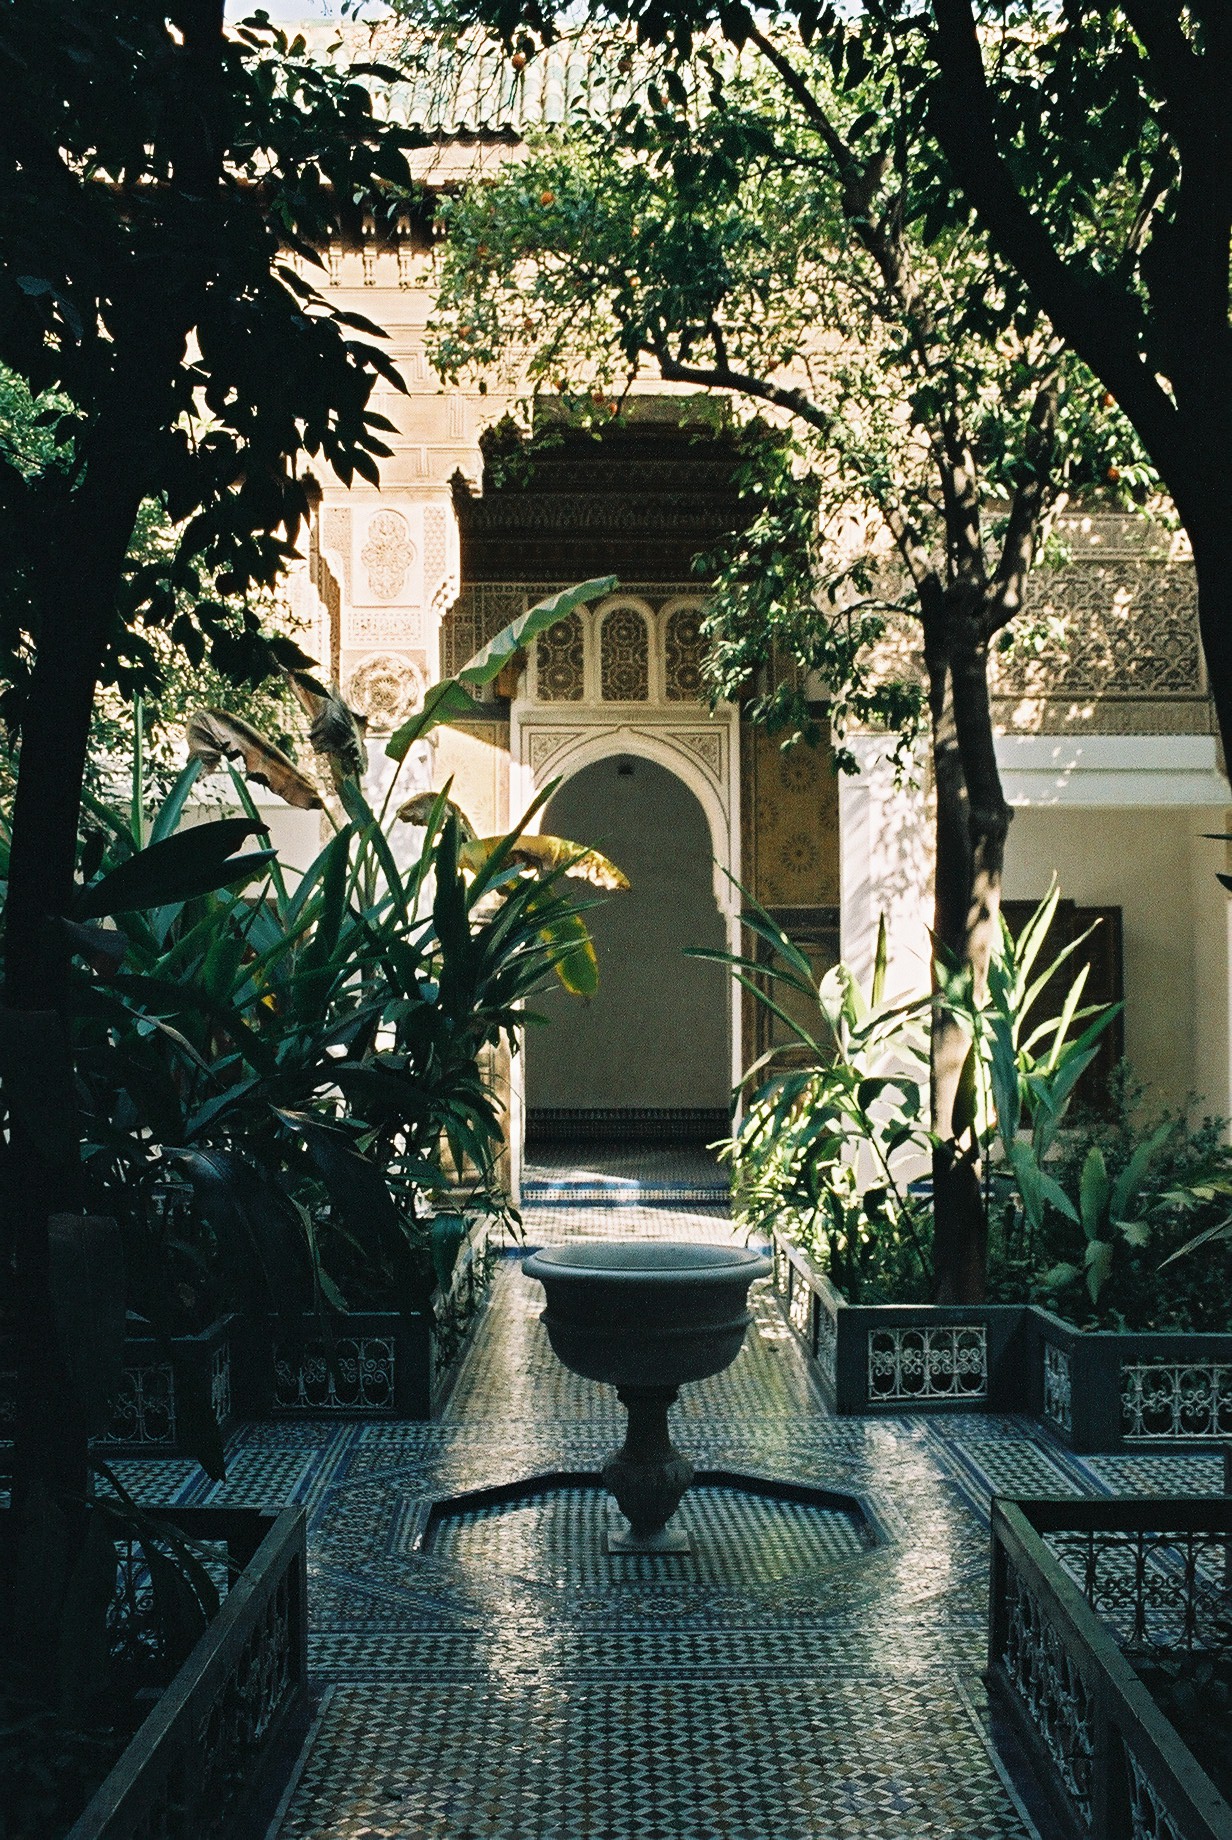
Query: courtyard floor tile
x,y
804,1675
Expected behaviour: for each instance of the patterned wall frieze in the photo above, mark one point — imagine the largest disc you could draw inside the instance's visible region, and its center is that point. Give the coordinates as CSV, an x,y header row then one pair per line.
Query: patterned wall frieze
x,y
543,745
399,627
790,822
708,746
336,538
1108,644
435,557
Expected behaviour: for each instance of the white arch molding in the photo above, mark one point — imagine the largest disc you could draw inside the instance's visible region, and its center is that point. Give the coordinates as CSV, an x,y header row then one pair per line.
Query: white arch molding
x,y
557,742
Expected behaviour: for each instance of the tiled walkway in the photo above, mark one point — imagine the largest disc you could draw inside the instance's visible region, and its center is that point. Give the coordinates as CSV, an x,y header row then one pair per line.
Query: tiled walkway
x,y
513,1684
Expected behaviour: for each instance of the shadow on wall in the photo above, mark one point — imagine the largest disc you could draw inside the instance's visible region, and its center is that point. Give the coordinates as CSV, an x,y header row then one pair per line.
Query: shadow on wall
x,y
657,1034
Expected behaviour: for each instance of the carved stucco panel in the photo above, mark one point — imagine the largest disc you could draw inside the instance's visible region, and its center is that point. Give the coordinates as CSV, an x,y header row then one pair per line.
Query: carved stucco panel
x,y
387,554
336,540
544,745
386,689
706,745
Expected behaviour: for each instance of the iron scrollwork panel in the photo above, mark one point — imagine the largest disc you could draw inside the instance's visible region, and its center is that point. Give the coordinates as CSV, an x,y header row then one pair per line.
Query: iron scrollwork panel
x,y
949,1362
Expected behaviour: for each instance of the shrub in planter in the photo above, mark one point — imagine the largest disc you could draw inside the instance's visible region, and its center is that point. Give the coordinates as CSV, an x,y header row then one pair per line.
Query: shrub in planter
x,y
1088,1216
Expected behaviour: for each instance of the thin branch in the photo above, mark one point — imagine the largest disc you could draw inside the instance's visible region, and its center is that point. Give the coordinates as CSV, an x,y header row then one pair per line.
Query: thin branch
x,y
1026,510
720,376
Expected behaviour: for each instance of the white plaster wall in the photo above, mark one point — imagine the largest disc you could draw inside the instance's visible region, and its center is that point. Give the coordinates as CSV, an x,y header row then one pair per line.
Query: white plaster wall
x,y
1152,865
1119,820
885,867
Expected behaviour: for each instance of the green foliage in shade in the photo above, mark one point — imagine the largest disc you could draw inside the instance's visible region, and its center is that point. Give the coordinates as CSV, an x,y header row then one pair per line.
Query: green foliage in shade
x,y
830,1139
175,868
1091,1217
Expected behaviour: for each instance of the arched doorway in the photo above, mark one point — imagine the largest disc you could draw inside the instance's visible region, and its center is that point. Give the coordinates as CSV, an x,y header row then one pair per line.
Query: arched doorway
x,y
650,1056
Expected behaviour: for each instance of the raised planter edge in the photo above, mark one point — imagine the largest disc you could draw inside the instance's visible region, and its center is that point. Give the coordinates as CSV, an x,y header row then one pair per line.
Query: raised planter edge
x,y
1132,1751
1096,1389
407,1366
168,1780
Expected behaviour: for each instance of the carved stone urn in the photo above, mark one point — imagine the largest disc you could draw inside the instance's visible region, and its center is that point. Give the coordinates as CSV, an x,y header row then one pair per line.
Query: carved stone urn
x,y
646,1317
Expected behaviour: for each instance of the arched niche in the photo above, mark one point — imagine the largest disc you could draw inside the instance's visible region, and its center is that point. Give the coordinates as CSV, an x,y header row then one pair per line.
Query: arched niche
x,y
624,653
656,1038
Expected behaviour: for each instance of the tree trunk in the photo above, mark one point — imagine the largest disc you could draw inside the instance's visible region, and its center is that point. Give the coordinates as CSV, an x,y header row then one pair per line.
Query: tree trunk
x,y
971,824
78,602
1213,568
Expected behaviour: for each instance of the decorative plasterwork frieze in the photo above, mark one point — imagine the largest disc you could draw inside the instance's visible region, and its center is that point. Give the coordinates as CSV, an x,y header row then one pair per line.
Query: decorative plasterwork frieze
x,y
708,746
386,689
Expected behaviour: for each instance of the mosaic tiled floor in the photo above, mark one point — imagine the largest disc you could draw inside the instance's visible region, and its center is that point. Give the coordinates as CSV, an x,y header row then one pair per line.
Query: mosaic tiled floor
x,y
518,1685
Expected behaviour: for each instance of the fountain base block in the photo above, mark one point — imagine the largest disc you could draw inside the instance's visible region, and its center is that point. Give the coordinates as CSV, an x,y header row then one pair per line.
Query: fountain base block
x,y
669,1540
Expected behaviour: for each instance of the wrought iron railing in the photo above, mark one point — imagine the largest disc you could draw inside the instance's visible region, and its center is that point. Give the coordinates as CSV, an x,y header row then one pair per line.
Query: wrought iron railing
x,y
1099,1390
194,1760
1081,1592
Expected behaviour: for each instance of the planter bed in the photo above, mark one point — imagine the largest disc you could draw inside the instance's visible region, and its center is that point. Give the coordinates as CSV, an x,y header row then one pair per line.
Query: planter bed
x,y
1098,1390
1084,1594
382,1365
148,1416
205,1750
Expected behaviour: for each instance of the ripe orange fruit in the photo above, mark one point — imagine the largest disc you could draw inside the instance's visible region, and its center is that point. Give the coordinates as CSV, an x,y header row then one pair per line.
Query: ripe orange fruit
x,y
1113,474
546,198
518,60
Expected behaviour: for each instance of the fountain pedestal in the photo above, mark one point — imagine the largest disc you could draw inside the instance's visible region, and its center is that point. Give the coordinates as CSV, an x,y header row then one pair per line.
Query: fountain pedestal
x,y
647,1475
646,1317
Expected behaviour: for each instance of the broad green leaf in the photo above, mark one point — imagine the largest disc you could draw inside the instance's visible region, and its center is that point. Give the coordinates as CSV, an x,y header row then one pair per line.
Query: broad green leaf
x,y
1052,1192
1127,1184
1098,1266
573,954
880,963
1093,1192
548,855
172,808
444,702
1134,1232
177,868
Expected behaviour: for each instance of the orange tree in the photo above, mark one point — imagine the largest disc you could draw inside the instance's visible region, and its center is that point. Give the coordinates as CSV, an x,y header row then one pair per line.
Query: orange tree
x,y
761,226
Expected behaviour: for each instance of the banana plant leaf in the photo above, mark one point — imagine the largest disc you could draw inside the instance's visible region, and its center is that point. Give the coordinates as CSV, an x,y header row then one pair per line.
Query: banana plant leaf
x,y
449,700
548,856
213,736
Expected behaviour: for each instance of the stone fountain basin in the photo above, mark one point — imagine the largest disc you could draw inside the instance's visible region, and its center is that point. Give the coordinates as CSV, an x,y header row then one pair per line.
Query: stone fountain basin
x,y
638,1313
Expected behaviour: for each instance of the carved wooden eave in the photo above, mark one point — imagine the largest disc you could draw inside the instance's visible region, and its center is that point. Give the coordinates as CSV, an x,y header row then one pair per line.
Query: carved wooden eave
x,y
639,502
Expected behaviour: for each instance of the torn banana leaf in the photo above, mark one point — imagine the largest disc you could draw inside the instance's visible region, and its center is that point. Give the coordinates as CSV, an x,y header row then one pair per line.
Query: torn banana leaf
x,y
335,729
213,736
546,855
419,811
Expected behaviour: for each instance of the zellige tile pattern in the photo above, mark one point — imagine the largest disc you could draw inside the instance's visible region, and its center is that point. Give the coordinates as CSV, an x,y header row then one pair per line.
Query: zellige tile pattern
x,y
790,1680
